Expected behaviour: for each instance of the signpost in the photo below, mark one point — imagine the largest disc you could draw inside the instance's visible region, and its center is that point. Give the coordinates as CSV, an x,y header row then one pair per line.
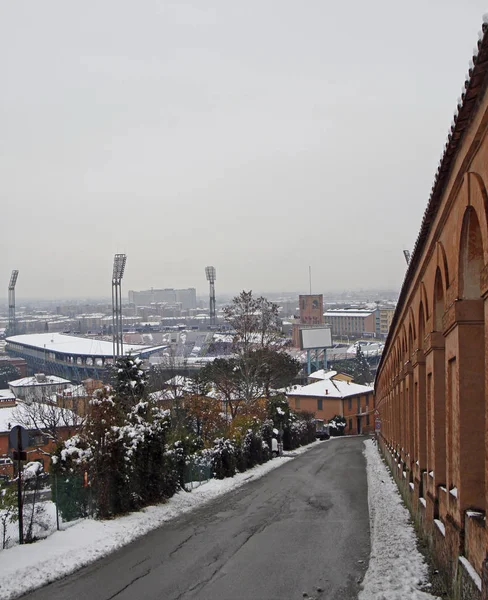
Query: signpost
x,y
18,439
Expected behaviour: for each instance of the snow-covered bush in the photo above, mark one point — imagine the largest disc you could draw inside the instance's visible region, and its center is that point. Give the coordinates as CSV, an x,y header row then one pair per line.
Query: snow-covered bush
x,y
223,458
8,512
122,453
337,425
267,434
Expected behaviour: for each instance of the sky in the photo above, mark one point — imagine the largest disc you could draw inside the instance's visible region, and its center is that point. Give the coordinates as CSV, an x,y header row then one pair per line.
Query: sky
x,y
258,136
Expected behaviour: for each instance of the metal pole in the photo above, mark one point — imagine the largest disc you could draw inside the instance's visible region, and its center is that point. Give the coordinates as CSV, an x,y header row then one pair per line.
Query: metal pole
x,y
19,487
325,359
113,323
121,321
57,500
309,365
117,326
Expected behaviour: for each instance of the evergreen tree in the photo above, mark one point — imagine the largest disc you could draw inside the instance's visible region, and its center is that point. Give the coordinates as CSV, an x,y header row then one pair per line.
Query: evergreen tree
x,y
361,372
130,381
7,373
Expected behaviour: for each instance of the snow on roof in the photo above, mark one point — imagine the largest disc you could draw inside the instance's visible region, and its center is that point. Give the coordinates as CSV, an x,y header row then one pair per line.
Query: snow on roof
x,y
8,420
180,381
322,374
6,395
161,395
348,313
330,388
33,380
69,344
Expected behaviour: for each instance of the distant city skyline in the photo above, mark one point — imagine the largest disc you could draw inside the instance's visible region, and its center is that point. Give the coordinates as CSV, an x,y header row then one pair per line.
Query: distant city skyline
x,y
257,137
363,294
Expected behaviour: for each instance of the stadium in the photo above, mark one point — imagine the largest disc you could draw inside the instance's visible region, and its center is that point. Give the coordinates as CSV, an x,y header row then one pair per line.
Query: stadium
x,y
74,358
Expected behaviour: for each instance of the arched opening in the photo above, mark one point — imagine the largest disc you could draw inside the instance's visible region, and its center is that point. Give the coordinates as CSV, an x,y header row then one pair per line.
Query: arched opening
x,y
421,338
470,256
466,389
422,433
438,301
435,390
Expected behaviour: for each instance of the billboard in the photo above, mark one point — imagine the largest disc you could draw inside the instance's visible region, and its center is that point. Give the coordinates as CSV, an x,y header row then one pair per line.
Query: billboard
x,y
316,338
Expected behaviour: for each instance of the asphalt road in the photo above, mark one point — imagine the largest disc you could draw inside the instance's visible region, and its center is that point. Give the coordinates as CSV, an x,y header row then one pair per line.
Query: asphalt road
x,y
303,529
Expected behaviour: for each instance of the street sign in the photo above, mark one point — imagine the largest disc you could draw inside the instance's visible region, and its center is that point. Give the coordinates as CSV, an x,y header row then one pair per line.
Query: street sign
x,y
18,438
377,425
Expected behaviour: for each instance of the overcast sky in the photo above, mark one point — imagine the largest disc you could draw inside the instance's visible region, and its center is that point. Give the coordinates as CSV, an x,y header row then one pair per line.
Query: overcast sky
x,y
257,136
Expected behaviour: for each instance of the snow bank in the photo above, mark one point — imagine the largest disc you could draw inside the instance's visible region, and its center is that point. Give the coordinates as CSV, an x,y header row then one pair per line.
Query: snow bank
x,y
24,568
396,569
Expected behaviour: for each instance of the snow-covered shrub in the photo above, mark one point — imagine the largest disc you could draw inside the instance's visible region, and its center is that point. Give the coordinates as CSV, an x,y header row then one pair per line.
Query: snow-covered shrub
x,y
252,449
181,450
8,511
224,458
124,455
267,427
337,425
34,516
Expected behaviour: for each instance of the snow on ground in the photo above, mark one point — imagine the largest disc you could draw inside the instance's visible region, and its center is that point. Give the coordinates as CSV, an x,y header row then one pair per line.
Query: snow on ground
x,y
27,567
396,569
44,523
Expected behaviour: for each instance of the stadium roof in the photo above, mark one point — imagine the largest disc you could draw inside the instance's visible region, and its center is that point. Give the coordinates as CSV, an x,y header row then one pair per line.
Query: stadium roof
x,y
69,344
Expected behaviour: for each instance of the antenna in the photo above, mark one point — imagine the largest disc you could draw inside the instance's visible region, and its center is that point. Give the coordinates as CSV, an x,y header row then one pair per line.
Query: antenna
x,y
211,275
11,302
406,254
117,328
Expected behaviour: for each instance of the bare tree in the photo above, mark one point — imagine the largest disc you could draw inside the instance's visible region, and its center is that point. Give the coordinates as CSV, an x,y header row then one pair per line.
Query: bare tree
x,y
255,321
47,419
167,374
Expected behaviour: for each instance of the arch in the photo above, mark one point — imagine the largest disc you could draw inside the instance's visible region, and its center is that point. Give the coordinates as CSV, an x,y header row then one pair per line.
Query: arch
x,y
421,338
404,343
412,323
478,200
442,263
470,256
410,340
465,389
424,300
438,303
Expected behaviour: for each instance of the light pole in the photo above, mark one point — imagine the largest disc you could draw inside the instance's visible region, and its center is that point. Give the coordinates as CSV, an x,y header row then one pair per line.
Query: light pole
x,y
211,275
117,328
11,302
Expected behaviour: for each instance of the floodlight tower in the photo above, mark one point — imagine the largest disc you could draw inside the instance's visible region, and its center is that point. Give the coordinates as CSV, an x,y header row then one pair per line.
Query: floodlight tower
x,y
117,327
11,302
211,277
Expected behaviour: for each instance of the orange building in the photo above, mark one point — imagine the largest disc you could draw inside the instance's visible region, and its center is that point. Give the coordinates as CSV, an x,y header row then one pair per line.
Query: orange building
x,y
332,394
40,444
311,307
432,382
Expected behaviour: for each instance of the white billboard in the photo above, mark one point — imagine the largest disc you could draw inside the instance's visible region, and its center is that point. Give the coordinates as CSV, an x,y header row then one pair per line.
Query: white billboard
x,y
316,338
